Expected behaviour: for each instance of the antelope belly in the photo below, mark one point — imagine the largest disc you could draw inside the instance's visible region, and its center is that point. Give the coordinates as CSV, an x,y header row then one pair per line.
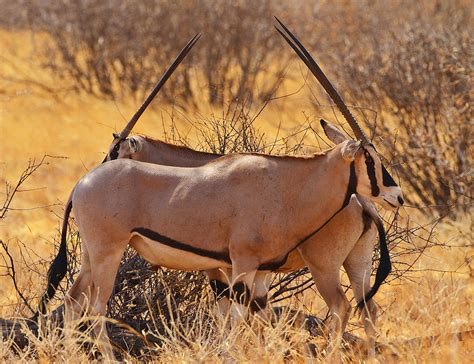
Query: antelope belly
x,y
166,256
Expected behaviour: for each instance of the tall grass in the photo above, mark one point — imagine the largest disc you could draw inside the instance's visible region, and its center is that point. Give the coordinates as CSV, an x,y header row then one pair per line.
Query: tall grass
x,y
408,61
406,68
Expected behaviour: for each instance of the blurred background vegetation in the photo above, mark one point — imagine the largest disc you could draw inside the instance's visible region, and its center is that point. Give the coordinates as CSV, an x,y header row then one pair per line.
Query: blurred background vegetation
x,y
410,62
71,72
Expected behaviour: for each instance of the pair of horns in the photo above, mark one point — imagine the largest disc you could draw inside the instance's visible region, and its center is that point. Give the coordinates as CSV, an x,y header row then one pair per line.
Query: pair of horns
x,y
309,61
299,49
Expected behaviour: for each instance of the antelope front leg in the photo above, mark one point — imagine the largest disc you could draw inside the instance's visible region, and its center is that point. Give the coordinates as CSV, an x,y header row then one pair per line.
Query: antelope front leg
x,y
258,304
243,274
219,279
358,267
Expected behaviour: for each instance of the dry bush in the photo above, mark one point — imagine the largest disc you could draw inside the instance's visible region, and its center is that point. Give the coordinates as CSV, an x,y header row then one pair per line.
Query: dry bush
x,y
417,74
114,50
411,62
163,304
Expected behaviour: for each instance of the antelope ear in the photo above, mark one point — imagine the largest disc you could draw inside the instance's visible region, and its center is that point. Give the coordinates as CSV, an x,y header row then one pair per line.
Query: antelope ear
x,y
333,133
350,149
135,145
115,135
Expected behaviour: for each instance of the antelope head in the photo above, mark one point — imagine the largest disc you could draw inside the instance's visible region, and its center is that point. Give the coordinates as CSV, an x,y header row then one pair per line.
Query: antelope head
x,y
121,142
124,148
373,179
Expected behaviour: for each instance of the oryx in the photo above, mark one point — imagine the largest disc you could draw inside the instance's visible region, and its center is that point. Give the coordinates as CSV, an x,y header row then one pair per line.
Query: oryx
x,y
58,268
247,212
347,240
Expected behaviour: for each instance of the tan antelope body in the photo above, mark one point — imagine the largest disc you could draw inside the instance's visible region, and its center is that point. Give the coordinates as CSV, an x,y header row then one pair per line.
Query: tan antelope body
x,y
347,240
242,211
247,212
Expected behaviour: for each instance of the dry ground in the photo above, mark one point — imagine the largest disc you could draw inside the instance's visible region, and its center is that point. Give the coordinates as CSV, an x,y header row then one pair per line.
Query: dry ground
x,y
78,127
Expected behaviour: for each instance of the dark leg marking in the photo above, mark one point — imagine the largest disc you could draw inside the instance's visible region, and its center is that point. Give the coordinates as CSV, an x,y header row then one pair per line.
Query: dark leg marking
x,y
274,265
241,293
258,303
367,221
220,289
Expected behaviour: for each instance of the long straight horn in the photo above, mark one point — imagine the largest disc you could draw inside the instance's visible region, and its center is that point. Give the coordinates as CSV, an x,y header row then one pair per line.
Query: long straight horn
x,y
128,128
323,80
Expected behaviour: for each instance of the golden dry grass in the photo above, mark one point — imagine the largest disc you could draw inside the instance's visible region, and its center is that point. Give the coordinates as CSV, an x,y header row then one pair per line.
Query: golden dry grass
x,y
79,126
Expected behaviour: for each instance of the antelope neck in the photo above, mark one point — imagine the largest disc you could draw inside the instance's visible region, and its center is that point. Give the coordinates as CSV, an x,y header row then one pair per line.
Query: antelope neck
x,y
351,189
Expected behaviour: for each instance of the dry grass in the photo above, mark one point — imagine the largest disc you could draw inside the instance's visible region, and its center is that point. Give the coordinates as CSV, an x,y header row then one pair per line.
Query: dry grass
x,y
433,305
78,126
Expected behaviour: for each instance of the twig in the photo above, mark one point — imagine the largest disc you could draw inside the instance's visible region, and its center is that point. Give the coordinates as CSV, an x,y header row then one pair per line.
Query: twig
x,y
12,273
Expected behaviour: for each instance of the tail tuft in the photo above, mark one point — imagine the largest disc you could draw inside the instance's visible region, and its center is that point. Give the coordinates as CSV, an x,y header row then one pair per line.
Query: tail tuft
x,y
58,268
384,268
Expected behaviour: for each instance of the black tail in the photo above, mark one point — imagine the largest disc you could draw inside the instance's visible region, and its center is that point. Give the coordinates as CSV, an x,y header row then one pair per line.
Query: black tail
x,y
58,268
384,268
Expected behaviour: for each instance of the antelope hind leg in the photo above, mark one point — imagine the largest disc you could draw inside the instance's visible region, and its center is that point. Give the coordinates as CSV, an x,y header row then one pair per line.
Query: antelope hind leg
x,y
105,260
329,286
78,296
358,267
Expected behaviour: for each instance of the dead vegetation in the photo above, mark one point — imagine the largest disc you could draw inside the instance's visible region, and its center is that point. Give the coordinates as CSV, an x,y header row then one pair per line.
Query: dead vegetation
x,y
151,306
416,72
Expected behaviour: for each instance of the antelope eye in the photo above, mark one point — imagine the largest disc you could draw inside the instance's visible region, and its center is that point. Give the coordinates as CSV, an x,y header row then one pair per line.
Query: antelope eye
x,y
117,147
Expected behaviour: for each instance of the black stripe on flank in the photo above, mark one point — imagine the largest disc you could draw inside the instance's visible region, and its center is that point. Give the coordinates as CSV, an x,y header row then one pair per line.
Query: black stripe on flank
x,y
387,179
153,235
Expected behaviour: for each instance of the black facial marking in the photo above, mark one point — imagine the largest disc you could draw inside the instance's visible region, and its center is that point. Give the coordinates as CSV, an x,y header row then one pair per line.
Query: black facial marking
x,y
153,235
387,179
258,303
241,293
220,289
369,162
133,143
114,152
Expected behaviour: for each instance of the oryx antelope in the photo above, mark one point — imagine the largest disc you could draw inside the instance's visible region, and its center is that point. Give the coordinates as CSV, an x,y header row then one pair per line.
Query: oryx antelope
x,y
347,240
58,268
246,212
